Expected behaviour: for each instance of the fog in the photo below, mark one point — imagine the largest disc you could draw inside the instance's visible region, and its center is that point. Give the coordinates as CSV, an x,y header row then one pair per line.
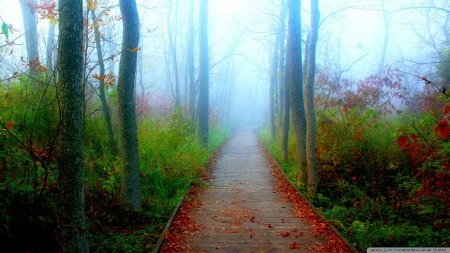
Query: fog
x,y
352,35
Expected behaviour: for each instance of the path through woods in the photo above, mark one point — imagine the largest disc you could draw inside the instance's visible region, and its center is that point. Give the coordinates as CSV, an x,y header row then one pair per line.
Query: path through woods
x,y
242,209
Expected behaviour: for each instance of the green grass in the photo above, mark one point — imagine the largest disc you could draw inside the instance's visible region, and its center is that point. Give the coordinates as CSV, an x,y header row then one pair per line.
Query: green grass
x,y
171,158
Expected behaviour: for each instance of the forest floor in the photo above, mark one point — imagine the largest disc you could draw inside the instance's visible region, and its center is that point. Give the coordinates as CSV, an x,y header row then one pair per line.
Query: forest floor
x,y
248,206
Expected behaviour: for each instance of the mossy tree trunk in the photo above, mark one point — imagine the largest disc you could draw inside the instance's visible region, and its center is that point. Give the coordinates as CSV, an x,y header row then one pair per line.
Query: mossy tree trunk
x,y
71,150
309,100
130,192
296,87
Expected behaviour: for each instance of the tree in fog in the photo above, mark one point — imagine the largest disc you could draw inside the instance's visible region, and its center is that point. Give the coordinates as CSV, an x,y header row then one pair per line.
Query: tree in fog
x,y
287,110
203,102
31,34
281,75
191,60
71,150
173,51
101,82
295,87
130,193
310,57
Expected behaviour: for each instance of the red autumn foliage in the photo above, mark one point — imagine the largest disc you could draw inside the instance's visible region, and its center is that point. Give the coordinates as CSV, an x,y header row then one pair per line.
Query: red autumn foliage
x,y
442,128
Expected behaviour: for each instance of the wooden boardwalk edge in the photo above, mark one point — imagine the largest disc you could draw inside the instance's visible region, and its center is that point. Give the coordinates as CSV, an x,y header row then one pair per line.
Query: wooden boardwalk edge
x,y
329,224
158,245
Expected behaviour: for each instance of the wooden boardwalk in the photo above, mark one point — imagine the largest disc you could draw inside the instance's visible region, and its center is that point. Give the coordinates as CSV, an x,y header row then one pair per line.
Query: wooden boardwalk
x,y
241,210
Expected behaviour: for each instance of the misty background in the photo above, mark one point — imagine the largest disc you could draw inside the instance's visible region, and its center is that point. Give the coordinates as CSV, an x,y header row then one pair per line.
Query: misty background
x,y
356,39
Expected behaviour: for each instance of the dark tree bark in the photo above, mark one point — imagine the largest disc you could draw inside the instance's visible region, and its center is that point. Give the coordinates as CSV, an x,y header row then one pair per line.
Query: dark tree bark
x,y
127,109
71,150
203,103
31,34
101,84
309,100
295,87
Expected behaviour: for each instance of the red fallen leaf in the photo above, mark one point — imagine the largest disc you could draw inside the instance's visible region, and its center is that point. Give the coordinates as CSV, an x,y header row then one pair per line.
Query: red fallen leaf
x,y
293,245
285,234
294,230
270,226
218,247
252,234
442,128
402,141
252,219
447,111
297,236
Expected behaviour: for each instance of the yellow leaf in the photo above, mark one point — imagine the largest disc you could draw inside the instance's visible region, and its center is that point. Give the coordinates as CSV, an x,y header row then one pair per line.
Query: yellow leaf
x,y
135,49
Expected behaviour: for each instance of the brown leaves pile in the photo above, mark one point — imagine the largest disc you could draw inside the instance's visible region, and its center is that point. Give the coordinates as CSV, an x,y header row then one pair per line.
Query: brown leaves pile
x,y
183,224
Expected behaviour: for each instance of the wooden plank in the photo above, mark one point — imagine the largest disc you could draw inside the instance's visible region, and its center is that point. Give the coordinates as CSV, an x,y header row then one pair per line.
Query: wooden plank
x,y
242,211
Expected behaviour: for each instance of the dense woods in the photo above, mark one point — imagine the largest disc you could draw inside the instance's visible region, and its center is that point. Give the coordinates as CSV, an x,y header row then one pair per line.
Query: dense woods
x,y
110,110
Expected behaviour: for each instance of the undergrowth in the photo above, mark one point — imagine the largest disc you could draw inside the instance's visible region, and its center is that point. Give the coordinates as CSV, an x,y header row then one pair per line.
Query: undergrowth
x,y
171,158
375,186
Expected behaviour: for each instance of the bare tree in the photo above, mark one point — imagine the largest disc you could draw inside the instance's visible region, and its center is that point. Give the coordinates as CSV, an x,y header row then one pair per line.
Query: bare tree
x,y
173,52
101,83
31,34
71,153
203,103
191,56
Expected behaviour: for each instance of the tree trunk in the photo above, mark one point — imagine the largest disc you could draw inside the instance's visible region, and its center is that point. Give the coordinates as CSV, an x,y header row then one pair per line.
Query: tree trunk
x,y
71,150
385,40
127,108
203,102
272,84
295,87
101,84
31,34
309,100
287,112
173,52
281,79
191,55
50,45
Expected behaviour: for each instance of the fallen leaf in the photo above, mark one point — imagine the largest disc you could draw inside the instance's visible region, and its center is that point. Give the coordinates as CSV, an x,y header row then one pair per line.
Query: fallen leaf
x,y
285,234
252,219
270,226
293,245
